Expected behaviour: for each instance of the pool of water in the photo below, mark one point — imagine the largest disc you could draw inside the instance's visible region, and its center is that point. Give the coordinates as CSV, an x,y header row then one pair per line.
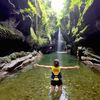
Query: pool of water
x,y
34,83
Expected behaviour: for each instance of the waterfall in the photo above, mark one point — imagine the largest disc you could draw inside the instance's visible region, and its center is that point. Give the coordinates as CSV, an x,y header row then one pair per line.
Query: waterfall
x,y
59,41
59,44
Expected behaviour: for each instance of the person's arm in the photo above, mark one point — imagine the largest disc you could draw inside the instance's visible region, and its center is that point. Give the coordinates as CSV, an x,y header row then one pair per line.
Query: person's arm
x,y
70,68
42,66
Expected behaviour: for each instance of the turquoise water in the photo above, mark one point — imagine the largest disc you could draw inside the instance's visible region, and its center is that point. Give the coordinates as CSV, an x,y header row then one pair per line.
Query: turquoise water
x,y
34,83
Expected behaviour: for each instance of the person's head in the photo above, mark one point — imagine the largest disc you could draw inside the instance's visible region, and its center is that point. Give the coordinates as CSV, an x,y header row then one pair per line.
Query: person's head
x,y
56,62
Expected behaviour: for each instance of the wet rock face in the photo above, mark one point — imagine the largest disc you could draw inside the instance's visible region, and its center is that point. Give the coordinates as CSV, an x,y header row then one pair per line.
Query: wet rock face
x,y
93,41
8,42
92,34
74,15
20,4
24,26
93,13
8,8
12,45
5,9
24,23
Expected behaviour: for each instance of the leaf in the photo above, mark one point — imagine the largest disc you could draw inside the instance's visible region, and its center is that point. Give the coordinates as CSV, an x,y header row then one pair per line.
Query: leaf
x,y
83,29
74,30
78,39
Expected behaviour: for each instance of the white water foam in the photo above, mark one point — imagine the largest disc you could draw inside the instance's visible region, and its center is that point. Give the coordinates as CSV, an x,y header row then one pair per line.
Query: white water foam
x,y
63,96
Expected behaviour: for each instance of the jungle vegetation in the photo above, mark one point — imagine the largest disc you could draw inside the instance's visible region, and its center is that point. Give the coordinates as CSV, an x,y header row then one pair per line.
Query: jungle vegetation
x,y
71,20
45,22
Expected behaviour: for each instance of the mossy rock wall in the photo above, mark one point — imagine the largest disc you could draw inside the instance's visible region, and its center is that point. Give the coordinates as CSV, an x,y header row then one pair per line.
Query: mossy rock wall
x,y
11,41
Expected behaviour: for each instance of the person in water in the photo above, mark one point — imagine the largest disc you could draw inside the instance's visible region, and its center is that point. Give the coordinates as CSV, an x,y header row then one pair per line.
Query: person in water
x,y
56,77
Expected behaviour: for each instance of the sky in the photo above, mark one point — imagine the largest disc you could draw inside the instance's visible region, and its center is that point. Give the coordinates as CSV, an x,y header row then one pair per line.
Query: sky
x,y
57,5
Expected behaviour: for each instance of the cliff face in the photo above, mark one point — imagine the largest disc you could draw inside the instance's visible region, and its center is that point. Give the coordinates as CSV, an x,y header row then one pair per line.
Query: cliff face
x,y
92,34
13,29
5,9
10,9
12,40
81,24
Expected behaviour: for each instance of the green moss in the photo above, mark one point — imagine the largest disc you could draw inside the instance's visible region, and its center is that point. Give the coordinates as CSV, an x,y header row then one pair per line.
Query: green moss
x,y
7,32
41,41
32,7
33,34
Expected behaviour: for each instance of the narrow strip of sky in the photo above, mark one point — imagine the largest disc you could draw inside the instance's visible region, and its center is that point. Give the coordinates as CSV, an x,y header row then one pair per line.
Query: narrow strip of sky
x,y
57,6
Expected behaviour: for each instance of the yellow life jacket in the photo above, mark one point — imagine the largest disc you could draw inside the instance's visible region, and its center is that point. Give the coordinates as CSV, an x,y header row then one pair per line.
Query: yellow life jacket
x,y
56,73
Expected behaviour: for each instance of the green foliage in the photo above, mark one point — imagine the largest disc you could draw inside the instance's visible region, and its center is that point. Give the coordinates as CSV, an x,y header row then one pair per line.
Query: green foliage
x,y
75,26
78,39
83,29
47,15
28,10
58,22
32,7
88,4
41,41
41,14
49,37
10,24
74,30
75,2
6,32
44,13
8,29
33,34
47,25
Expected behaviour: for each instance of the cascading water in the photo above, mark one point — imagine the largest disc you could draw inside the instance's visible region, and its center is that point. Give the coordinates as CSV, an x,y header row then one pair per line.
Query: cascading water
x,y
59,41
59,46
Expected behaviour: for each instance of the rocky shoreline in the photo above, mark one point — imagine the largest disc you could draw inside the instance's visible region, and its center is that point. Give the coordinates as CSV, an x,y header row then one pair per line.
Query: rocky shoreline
x,y
87,57
17,61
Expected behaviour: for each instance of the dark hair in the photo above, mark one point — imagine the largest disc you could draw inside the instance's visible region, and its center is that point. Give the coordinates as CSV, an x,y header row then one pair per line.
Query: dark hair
x,y
56,62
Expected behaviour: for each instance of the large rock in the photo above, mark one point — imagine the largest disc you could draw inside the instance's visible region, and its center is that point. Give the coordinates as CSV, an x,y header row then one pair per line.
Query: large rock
x,y
92,33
